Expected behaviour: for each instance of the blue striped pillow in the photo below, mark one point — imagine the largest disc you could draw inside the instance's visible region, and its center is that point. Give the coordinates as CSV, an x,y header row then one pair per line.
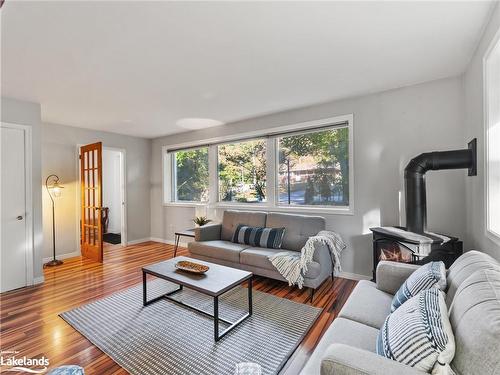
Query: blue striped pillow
x,y
259,236
430,275
419,334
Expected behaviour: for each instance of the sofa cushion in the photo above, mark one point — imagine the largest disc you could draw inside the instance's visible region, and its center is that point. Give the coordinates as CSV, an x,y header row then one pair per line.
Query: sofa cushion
x,y
463,267
270,238
341,331
419,334
259,257
231,219
475,319
298,228
367,305
224,250
430,275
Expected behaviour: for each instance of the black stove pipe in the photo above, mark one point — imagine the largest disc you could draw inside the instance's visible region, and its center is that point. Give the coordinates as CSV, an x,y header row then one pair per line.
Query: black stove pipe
x,y
415,195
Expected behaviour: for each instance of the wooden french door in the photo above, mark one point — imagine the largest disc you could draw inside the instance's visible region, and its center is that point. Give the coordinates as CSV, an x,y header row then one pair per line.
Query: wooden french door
x,y
91,201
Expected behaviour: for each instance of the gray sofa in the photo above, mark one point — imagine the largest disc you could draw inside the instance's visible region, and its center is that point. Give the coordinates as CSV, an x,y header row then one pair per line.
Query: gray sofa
x,y
473,299
213,244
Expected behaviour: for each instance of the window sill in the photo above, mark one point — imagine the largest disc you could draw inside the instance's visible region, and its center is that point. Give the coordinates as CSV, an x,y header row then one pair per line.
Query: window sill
x,y
315,210
185,204
294,209
266,207
493,236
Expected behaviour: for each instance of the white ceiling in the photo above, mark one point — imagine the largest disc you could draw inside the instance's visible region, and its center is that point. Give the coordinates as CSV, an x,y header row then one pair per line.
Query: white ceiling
x,y
139,67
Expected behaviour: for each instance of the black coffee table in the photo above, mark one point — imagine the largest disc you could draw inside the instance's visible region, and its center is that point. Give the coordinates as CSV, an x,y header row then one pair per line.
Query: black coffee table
x,y
215,282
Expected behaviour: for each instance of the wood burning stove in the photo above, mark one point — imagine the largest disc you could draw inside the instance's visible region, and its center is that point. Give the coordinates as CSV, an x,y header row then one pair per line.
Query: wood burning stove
x,y
414,244
398,245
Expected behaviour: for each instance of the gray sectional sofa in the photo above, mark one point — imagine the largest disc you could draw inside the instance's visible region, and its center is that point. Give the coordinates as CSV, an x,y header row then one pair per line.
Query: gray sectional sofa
x,y
213,244
473,299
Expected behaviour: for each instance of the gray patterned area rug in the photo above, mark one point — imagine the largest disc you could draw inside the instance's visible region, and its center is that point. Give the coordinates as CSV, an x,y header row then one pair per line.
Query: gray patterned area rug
x,y
165,338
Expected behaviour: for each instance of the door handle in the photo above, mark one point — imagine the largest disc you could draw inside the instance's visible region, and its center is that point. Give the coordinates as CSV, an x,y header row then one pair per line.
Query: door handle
x,y
19,217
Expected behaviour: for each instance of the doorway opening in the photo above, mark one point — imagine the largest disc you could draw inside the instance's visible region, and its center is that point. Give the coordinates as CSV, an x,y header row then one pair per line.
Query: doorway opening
x,y
113,201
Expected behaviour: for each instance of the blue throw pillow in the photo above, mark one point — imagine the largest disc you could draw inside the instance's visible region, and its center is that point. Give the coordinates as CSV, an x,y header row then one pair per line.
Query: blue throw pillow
x,y
430,275
419,334
259,236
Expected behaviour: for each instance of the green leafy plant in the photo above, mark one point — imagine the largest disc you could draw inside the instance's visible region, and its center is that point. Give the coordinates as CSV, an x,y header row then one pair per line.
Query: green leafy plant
x,y
201,220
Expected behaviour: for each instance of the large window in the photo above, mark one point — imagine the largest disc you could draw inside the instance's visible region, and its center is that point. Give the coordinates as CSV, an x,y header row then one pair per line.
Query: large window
x,y
492,129
190,182
242,171
306,166
314,168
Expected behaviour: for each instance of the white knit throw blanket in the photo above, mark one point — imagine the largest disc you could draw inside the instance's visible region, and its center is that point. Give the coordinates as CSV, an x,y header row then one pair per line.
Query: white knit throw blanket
x,y
293,267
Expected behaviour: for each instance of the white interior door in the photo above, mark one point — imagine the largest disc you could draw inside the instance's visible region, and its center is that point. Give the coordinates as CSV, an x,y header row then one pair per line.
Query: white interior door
x,y
14,244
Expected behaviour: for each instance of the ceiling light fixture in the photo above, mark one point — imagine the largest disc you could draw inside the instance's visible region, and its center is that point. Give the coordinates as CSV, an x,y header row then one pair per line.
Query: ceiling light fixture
x,y
197,123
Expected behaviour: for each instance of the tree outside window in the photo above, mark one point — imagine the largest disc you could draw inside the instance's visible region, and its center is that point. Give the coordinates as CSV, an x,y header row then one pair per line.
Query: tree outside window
x,y
242,171
191,175
314,168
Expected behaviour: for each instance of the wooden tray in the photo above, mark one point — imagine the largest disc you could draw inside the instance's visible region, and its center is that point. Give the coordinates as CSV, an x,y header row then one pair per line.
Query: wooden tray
x,y
185,265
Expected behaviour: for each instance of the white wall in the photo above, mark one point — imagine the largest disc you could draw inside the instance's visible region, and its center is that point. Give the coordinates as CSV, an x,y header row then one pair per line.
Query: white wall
x,y
474,127
111,191
389,129
59,156
27,113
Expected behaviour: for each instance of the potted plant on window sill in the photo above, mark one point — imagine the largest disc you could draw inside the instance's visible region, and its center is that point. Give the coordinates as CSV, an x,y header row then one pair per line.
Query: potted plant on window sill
x,y
201,221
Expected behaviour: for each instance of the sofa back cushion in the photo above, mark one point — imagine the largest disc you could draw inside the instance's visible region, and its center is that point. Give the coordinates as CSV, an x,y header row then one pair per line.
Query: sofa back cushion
x,y
475,319
231,220
465,266
298,228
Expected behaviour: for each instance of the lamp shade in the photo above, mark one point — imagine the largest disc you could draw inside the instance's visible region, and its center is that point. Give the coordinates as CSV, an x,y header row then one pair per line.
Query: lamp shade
x,y
56,188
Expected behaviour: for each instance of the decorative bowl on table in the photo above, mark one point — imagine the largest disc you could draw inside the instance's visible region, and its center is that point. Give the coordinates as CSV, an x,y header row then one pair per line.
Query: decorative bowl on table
x,y
185,265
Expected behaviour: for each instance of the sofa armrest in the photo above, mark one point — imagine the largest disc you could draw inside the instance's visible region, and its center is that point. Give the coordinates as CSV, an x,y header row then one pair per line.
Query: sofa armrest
x,y
210,232
391,275
340,359
323,257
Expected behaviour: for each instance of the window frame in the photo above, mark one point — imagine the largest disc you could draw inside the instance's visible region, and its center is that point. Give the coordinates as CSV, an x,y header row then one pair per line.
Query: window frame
x,y
272,161
276,170
171,171
494,47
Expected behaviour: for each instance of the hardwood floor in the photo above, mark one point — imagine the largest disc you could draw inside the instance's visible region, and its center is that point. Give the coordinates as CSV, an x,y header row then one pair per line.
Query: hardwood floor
x,y
30,323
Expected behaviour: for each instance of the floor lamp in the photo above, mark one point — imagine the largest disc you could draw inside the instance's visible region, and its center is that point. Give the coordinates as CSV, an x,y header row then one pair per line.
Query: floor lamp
x,y
54,189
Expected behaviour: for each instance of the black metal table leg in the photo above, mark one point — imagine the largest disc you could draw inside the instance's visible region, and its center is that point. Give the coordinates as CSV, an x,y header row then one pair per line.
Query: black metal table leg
x,y
216,319
144,292
177,239
250,308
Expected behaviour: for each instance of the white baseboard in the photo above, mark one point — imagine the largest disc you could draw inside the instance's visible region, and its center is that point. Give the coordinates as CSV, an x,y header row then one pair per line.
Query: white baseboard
x,y
169,242
38,280
354,276
140,240
63,256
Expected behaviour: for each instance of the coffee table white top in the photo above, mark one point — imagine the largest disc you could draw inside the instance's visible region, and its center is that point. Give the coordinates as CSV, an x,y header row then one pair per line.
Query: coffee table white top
x,y
216,281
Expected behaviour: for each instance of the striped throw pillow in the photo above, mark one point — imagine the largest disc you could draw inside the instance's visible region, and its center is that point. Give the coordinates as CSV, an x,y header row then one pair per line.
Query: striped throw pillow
x,y
259,236
419,334
430,275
